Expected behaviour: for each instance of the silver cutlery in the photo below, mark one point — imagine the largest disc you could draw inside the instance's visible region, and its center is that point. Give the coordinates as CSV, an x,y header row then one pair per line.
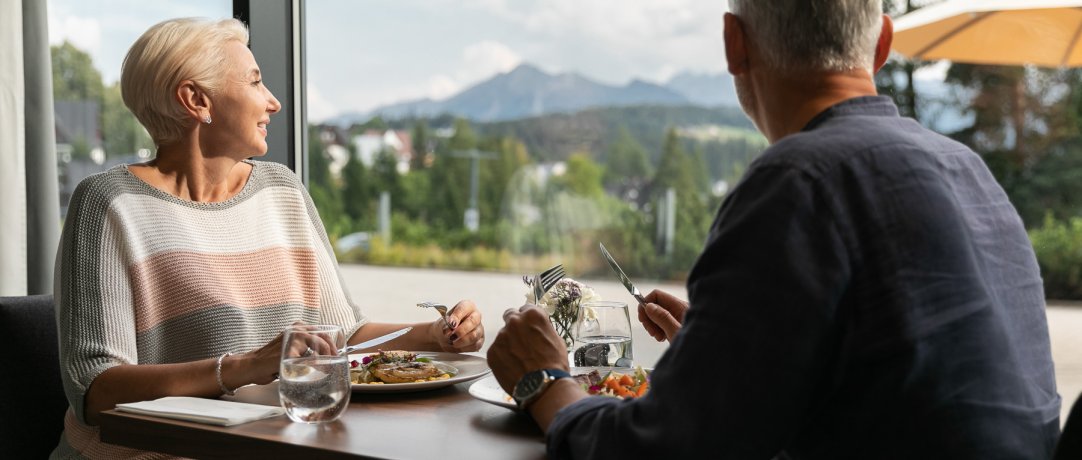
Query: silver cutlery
x,y
620,274
544,281
439,307
374,342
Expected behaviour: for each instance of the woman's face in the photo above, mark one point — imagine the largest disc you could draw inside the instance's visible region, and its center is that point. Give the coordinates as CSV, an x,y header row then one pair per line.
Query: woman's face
x,y
241,109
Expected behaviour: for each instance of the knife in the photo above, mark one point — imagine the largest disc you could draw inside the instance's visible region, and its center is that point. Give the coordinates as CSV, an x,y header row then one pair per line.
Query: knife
x,y
374,342
620,274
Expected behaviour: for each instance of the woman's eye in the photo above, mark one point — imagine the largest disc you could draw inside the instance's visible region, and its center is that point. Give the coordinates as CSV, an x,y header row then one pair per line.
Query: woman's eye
x,y
257,82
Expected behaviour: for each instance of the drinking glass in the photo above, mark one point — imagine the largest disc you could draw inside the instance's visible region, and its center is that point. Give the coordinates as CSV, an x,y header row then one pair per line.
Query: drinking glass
x,y
602,333
313,383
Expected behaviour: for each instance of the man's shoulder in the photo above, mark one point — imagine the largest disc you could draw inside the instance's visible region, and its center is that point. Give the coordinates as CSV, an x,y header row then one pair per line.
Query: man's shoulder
x,y
855,140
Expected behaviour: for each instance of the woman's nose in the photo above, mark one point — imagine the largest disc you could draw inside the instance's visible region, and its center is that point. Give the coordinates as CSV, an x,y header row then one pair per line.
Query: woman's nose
x,y
273,106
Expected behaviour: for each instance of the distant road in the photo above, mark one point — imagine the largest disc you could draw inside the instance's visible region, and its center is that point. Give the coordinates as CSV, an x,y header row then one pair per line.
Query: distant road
x,y
391,293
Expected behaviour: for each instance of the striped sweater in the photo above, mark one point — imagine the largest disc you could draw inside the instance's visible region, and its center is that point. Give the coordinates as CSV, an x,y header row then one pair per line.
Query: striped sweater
x,y
144,277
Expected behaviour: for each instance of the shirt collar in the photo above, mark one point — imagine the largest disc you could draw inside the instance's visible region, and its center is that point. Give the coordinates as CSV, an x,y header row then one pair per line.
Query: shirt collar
x,y
865,105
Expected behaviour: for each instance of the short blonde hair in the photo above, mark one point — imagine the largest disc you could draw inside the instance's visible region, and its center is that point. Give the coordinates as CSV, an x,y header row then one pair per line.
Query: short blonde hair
x,y
165,55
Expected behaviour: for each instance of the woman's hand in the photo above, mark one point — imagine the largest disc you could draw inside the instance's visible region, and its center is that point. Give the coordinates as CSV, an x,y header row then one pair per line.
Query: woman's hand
x,y
465,331
263,363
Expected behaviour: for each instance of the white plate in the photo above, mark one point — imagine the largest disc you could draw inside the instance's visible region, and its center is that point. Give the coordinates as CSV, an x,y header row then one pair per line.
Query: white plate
x,y
489,390
469,367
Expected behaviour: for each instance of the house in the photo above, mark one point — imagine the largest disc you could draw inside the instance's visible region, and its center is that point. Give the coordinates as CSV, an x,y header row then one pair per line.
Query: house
x,y
371,143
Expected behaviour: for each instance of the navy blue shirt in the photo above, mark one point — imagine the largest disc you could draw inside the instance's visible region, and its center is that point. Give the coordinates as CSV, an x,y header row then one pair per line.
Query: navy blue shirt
x,y
866,291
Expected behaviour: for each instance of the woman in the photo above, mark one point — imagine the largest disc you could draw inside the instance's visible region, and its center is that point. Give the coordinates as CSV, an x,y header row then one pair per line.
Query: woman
x,y
176,277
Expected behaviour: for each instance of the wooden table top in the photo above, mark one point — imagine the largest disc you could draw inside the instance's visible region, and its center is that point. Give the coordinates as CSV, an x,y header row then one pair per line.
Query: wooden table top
x,y
445,423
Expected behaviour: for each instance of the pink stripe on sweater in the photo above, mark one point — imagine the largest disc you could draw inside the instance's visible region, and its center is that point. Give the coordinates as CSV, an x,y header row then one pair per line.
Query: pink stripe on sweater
x,y
173,284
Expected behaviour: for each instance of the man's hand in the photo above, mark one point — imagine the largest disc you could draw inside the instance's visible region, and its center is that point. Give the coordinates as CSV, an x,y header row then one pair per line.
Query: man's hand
x,y
662,314
526,343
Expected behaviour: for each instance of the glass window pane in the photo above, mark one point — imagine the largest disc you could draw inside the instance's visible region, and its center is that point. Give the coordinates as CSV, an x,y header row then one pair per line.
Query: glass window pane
x,y
88,40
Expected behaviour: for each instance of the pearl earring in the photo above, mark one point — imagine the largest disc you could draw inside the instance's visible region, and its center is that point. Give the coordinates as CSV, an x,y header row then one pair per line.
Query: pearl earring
x,y
206,119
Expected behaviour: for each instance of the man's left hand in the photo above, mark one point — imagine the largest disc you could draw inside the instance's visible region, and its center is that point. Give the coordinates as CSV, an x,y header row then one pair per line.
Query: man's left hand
x,y
526,343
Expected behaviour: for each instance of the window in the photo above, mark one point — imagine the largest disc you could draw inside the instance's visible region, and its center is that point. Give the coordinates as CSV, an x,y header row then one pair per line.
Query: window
x,y
510,136
94,130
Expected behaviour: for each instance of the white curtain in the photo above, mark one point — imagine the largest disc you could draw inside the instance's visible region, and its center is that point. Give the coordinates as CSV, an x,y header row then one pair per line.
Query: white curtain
x,y
29,202
12,146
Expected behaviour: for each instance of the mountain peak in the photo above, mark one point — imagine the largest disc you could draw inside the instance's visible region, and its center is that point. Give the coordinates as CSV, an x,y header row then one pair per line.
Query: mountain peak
x,y
527,91
527,69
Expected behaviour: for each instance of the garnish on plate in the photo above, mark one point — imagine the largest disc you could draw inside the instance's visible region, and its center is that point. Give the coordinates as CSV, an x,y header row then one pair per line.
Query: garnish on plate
x,y
396,366
615,384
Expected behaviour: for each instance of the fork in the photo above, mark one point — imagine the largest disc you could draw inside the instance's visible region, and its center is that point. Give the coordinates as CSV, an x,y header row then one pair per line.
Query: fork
x,y
544,281
441,308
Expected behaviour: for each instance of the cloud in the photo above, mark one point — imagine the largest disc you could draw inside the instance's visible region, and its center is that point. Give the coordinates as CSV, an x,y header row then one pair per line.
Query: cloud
x,y
84,33
319,108
441,86
643,39
479,61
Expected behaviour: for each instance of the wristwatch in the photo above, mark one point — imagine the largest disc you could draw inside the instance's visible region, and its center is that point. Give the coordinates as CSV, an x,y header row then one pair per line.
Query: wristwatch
x,y
532,385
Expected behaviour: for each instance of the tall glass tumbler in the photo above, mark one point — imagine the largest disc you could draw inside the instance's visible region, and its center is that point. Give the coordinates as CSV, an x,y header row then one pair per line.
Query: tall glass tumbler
x,y
602,333
313,380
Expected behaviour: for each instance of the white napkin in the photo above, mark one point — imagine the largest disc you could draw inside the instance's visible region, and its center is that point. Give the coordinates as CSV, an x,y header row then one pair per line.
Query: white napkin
x,y
202,410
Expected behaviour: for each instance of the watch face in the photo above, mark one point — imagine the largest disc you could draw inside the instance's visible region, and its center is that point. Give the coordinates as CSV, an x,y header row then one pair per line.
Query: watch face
x,y
529,385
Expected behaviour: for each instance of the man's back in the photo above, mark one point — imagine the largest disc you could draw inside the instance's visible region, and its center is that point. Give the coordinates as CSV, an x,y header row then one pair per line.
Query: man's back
x,y
938,333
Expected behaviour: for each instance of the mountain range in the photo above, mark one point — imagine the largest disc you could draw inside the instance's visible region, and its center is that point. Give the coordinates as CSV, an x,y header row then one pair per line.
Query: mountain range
x,y
527,91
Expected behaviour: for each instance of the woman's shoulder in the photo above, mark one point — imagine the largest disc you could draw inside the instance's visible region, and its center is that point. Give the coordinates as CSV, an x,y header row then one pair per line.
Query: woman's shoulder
x,y
103,185
277,174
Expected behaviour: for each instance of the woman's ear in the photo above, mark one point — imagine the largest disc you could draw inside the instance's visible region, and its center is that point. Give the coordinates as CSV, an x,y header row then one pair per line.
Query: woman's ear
x,y
194,100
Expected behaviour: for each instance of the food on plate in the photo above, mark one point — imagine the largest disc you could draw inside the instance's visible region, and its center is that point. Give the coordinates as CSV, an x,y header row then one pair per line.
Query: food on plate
x,y
395,366
615,384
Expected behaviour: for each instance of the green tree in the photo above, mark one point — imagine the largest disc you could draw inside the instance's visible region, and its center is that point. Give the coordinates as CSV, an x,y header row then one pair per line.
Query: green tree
x,y
625,160
450,179
74,75
496,174
357,194
319,162
122,133
384,174
582,177
422,145
675,171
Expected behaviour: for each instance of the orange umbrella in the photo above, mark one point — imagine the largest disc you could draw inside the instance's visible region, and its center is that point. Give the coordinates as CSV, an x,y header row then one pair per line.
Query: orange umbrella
x,y
1007,32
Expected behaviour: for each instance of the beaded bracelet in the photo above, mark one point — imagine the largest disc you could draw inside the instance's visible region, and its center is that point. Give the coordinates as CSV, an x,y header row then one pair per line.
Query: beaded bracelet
x,y
218,376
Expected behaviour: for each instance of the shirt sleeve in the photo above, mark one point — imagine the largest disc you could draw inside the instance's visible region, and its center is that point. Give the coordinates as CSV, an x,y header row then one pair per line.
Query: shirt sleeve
x,y
337,307
95,318
753,358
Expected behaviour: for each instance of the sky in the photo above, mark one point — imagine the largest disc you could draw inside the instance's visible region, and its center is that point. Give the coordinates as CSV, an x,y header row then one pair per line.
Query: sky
x,y
364,54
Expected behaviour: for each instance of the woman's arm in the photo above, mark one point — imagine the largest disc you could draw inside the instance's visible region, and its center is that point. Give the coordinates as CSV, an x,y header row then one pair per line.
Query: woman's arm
x,y
467,333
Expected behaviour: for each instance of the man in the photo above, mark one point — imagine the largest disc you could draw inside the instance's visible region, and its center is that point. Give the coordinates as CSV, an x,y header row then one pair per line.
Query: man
x,y
866,291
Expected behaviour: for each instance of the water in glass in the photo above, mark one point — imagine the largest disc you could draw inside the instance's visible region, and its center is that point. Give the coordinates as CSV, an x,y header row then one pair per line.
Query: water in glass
x,y
313,385
602,333
314,389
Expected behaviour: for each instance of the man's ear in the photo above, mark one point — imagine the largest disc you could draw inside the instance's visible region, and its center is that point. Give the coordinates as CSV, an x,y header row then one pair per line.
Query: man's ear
x,y
193,99
882,48
736,49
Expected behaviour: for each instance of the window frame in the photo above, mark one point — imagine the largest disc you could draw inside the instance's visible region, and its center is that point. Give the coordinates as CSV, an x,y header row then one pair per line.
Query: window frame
x,y
276,38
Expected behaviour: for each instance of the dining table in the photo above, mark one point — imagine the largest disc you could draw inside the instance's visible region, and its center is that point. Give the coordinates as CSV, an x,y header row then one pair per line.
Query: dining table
x,y
445,423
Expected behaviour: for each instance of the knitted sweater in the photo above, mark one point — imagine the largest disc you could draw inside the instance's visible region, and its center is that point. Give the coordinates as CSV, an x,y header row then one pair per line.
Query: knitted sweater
x,y
144,277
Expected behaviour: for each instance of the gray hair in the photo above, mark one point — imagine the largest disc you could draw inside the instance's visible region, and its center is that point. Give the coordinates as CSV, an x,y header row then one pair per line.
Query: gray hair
x,y
797,36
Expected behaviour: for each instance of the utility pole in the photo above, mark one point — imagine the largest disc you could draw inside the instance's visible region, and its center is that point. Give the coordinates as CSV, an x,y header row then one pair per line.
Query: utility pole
x,y
472,217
